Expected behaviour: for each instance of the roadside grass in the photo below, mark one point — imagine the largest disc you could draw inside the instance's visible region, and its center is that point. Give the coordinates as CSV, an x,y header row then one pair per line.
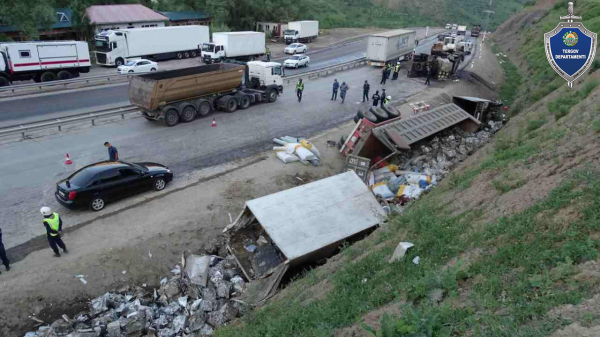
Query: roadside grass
x,y
561,106
526,271
505,187
510,87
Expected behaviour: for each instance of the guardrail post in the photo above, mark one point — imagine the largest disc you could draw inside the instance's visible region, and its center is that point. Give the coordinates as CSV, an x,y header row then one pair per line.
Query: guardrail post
x,y
23,134
59,128
93,122
122,116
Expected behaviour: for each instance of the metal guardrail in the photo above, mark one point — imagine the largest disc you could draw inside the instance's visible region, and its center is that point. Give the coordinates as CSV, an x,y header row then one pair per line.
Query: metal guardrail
x,y
62,121
326,70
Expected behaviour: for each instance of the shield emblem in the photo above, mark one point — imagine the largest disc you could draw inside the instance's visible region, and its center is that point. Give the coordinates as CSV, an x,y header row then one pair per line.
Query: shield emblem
x,y
570,49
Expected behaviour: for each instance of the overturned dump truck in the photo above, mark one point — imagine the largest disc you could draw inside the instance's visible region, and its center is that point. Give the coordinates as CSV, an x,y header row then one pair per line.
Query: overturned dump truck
x,y
183,94
297,226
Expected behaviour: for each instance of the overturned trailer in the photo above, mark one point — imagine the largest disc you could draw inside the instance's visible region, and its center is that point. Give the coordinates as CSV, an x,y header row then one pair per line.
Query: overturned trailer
x,y
297,226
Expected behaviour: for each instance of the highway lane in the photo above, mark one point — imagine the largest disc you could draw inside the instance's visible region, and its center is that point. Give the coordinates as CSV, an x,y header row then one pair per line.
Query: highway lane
x,y
54,105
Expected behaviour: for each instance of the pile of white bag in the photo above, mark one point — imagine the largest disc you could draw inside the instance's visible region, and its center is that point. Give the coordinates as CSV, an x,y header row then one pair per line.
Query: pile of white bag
x,y
297,149
390,183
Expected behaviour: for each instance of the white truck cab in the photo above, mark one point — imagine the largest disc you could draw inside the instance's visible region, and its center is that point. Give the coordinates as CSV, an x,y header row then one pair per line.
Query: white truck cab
x,y
213,52
111,48
266,73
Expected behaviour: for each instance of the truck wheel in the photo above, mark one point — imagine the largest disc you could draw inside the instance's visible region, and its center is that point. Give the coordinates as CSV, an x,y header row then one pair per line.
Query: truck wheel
x,y
272,95
391,110
37,78
4,82
186,54
244,102
171,117
119,62
204,107
194,53
230,104
180,55
64,75
48,76
188,114
379,113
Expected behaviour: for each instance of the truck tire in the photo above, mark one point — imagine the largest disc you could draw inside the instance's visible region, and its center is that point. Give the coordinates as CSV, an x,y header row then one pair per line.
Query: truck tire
x,y
244,102
119,62
272,95
379,113
194,53
4,82
230,104
37,78
48,76
370,116
186,55
391,110
180,55
203,107
171,117
64,75
188,114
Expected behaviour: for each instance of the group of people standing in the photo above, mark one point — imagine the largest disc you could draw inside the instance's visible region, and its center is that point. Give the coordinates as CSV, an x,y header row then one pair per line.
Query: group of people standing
x,y
387,70
343,89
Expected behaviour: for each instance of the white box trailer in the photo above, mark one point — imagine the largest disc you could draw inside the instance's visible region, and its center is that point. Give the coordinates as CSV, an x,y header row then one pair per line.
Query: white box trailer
x,y
462,30
242,46
388,46
43,61
114,47
301,31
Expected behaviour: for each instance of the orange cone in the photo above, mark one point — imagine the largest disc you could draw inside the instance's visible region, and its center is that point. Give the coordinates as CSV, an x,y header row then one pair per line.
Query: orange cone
x,y
68,160
214,123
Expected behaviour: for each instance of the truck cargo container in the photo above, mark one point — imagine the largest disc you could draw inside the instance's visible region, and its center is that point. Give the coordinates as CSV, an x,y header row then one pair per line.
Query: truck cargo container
x,y
114,47
462,30
42,61
183,94
242,46
388,46
301,31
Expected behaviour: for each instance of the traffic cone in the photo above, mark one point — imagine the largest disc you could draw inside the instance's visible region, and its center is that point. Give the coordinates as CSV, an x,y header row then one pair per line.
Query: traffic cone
x,y
68,160
214,123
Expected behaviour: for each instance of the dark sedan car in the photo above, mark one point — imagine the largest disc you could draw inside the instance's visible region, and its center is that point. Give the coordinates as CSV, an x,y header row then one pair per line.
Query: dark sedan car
x,y
95,185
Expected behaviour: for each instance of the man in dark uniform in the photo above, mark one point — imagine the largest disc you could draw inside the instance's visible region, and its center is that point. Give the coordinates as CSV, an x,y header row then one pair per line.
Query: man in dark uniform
x,y
383,75
53,224
336,86
366,88
382,97
376,98
3,254
428,75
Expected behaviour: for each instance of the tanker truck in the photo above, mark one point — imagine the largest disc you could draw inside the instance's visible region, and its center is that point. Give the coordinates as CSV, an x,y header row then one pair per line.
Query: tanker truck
x,y
182,95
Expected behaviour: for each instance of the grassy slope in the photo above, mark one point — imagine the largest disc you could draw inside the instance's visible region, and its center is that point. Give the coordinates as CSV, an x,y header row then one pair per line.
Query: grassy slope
x,y
506,238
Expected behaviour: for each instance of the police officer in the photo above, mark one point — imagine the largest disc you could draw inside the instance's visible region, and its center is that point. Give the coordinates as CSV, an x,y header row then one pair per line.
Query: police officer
x,y
3,254
336,86
376,98
53,224
299,89
268,54
428,75
343,90
396,70
383,75
383,97
366,88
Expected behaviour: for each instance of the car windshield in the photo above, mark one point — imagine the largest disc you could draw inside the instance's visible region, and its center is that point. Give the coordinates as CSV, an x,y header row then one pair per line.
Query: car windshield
x,y
80,178
295,58
293,45
102,46
130,63
208,47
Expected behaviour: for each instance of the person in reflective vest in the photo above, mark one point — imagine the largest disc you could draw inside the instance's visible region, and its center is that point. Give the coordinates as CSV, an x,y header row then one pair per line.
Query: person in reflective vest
x,y
53,224
396,70
299,89
268,54
386,100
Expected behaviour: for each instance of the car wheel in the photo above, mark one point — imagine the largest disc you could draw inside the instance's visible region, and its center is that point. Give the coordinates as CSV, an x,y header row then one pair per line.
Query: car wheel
x,y
296,66
160,184
171,117
306,64
294,52
153,69
304,50
97,203
131,71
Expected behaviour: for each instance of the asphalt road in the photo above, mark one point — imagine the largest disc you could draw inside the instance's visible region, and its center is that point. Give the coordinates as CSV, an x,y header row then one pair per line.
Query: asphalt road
x,y
54,105
31,167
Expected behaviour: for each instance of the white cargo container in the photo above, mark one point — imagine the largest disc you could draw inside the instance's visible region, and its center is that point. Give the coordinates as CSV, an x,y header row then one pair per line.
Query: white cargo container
x,y
113,47
388,46
462,30
301,31
242,46
43,61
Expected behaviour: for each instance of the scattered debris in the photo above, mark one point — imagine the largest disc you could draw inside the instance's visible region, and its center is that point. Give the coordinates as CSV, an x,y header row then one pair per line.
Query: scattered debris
x,y
416,260
297,149
124,272
436,295
400,251
149,254
180,307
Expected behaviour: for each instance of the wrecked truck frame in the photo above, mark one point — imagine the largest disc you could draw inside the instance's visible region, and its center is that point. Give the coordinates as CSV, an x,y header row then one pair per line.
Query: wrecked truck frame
x,y
300,225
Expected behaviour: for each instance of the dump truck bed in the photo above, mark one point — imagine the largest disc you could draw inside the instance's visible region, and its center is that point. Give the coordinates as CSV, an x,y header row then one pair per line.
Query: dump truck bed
x,y
154,90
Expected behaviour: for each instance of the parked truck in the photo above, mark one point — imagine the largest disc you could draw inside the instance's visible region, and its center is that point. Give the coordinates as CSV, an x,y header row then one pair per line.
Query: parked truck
x,y
475,30
183,94
462,30
388,46
301,31
242,46
42,61
114,47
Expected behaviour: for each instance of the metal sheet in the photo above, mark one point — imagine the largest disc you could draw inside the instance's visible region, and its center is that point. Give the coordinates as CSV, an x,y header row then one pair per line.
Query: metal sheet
x,y
307,218
408,131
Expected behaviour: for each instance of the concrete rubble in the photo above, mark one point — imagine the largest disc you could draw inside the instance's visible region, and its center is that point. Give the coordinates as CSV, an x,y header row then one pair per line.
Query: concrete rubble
x,y
404,177
178,308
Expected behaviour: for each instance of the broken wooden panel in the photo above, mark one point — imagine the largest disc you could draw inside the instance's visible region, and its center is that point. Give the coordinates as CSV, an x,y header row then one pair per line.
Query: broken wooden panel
x,y
262,289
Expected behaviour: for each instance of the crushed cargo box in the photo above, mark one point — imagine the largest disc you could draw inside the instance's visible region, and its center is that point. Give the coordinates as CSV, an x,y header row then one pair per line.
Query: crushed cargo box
x,y
300,225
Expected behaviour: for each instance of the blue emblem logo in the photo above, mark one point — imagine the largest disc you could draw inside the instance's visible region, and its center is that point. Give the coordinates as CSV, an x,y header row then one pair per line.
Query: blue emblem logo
x,y
570,47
